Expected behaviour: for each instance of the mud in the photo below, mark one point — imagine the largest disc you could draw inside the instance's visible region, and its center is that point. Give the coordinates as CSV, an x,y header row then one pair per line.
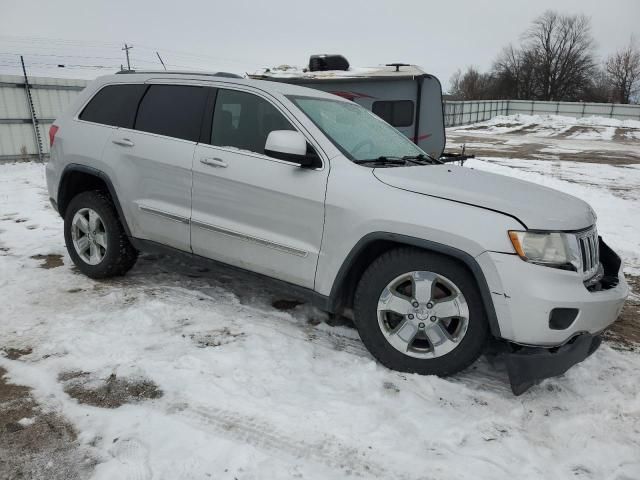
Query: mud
x,y
50,260
35,444
112,392
625,332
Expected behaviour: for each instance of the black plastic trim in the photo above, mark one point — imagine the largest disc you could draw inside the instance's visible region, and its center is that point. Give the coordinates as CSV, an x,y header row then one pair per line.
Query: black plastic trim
x,y
562,318
464,257
527,366
418,111
74,167
207,117
305,161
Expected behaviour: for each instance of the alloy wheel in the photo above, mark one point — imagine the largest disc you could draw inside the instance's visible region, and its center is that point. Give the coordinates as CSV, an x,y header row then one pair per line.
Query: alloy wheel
x,y
423,314
89,236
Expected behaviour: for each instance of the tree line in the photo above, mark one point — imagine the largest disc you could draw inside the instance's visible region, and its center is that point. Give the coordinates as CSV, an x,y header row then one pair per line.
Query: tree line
x,y
555,61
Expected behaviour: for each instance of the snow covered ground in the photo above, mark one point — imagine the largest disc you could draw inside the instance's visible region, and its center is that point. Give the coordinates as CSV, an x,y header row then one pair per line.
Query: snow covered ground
x,y
586,128
552,137
251,391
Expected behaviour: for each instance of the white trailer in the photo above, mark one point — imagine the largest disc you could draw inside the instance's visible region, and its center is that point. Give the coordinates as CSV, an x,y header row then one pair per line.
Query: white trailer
x,y
403,95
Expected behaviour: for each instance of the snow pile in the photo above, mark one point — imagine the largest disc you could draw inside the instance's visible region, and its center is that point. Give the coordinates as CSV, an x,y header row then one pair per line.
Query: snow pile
x,y
249,391
586,128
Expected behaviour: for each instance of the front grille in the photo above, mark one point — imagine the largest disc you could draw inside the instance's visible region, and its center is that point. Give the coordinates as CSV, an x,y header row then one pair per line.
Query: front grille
x,y
590,252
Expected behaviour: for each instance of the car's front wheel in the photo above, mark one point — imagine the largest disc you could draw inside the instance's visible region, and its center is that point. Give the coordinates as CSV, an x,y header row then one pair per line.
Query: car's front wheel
x,y
420,312
95,238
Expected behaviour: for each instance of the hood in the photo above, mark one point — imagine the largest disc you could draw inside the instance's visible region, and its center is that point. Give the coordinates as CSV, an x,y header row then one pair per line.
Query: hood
x,y
535,206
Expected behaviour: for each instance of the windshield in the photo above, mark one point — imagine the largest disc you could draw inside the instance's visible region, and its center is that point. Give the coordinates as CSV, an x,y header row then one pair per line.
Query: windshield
x,y
358,133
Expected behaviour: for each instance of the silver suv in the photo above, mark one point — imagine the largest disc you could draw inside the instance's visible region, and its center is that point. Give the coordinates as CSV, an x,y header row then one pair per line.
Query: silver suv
x,y
302,186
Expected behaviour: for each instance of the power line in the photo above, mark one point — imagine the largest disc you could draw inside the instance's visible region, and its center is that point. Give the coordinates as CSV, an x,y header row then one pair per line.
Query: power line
x,y
60,56
36,42
48,40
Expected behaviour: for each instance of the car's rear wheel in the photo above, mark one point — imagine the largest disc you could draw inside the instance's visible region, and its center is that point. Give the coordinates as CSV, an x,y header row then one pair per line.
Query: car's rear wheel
x,y
420,312
95,238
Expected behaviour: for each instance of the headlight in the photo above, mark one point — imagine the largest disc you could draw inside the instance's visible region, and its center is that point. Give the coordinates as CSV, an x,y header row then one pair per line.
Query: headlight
x,y
552,249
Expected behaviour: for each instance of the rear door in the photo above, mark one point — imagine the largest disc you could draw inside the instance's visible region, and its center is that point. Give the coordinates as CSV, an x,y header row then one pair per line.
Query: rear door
x,y
153,162
251,210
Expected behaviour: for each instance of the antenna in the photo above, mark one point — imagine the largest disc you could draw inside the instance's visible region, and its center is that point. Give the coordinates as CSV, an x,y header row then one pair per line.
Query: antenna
x,y
160,58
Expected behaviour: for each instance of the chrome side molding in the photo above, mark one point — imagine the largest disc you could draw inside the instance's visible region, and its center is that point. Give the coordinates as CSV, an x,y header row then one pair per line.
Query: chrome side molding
x,y
163,214
249,238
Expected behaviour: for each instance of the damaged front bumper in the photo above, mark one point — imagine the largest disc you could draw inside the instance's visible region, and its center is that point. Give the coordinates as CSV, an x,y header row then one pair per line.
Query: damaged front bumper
x,y
559,318
527,366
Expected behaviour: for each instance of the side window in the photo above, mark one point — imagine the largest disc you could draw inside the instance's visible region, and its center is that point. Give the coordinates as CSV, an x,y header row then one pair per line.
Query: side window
x,y
114,105
243,120
398,113
172,110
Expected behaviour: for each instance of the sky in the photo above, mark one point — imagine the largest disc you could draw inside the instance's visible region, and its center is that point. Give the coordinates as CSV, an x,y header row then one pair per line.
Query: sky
x,y
243,36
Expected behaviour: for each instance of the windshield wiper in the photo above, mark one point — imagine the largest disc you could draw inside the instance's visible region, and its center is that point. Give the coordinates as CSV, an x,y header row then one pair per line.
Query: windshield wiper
x,y
384,159
422,158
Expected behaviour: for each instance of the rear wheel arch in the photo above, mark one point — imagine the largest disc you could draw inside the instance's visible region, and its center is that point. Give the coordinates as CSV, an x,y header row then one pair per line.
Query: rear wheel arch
x,y
76,179
375,244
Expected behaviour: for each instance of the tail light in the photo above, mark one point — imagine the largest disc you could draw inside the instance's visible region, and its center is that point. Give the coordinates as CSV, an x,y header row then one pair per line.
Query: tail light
x,y
52,134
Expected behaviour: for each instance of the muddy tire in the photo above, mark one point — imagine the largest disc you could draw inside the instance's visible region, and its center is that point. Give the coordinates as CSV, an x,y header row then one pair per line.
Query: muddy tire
x,y
95,238
420,312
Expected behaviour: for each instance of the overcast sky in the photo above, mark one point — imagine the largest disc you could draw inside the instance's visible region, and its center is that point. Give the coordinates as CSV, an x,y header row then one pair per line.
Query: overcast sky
x,y
240,35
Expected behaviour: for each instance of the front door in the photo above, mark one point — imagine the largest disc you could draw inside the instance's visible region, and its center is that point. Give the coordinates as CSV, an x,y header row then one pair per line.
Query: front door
x,y
251,210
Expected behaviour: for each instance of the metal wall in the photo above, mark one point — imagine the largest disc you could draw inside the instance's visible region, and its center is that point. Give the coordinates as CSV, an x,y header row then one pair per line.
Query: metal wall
x,y
50,96
473,111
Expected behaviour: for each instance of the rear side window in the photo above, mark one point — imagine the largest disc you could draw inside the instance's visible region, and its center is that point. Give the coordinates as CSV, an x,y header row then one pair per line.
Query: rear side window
x,y
114,105
172,110
243,120
398,113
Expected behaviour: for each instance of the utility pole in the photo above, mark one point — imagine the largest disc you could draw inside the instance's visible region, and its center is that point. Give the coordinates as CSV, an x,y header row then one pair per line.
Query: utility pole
x,y
160,58
126,50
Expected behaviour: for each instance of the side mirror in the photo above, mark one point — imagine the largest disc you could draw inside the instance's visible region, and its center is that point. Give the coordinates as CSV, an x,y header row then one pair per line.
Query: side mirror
x,y
291,146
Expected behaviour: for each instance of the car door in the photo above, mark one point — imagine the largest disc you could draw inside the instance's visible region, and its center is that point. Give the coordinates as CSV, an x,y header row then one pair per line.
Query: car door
x,y
154,159
251,210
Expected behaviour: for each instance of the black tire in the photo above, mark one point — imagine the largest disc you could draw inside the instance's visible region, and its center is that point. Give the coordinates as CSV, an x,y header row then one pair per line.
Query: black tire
x,y
120,255
395,263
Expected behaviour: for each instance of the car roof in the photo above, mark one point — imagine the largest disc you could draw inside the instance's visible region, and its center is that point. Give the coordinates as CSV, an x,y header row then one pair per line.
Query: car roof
x,y
219,77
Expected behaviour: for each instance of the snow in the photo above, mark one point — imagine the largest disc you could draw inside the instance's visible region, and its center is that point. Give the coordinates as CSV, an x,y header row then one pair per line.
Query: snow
x,y
25,422
585,128
293,71
283,394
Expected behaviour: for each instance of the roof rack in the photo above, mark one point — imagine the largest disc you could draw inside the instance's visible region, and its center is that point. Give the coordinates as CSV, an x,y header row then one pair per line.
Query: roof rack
x,y
178,72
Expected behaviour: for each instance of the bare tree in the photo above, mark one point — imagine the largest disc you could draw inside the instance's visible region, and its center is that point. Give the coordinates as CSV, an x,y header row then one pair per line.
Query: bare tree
x,y
513,74
623,70
561,47
470,85
599,89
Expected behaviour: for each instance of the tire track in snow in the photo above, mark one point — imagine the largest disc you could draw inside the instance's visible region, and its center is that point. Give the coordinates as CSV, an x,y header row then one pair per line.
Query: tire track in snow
x,y
302,332
328,450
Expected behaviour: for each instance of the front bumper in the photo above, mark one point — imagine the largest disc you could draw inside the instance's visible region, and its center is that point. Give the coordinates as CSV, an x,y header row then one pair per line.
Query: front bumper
x,y
528,365
525,295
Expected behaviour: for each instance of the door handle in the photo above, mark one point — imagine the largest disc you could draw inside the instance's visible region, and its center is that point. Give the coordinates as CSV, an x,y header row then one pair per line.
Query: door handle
x,y
214,162
125,142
